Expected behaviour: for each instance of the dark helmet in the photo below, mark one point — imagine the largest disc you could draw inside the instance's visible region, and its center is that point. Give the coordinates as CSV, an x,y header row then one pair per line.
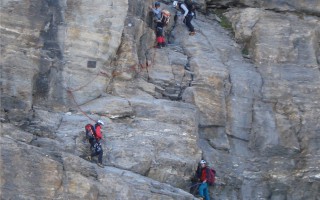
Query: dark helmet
x,y
157,3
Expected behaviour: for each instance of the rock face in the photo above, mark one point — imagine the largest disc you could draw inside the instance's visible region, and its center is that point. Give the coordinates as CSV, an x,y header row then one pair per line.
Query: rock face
x,y
308,6
248,104
311,7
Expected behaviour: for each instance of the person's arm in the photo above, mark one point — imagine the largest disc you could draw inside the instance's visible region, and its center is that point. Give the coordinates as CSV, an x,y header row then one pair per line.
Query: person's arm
x,y
155,11
184,7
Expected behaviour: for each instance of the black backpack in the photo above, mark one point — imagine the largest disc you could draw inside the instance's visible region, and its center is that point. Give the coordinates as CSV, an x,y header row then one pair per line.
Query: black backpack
x,y
190,5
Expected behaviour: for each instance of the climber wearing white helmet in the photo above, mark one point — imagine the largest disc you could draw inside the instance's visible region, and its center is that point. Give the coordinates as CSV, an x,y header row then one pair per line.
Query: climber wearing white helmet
x,y
175,3
93,134
100,122
203,174
188,10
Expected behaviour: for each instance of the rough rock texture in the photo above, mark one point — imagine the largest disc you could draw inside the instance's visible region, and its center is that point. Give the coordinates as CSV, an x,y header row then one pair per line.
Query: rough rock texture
x,y
307,6
311,7
248,103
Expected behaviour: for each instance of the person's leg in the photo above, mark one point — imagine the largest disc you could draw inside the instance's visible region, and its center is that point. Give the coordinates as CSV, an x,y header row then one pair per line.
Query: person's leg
x,y
206,192
201,188
94,154
188,23
161,35
100,156
159,30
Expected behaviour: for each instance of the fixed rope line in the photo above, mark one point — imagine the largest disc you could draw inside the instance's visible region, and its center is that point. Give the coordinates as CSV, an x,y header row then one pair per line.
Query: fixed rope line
x,y
78,106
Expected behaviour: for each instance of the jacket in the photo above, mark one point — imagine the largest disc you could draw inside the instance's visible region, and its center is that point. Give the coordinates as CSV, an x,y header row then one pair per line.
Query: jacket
x,y
183,9
98,132
204,174
157,13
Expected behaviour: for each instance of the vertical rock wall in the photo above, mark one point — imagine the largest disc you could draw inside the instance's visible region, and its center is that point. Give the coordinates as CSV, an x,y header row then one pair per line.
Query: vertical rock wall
x,y
251,108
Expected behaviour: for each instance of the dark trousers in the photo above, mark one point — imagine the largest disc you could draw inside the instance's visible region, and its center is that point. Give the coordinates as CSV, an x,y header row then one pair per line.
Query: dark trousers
x,y
99,154
159,29
92,141
188,23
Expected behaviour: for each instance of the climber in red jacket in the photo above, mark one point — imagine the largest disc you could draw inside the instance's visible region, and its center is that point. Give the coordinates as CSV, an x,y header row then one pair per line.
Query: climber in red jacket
x,y
203,176
97,128
93,133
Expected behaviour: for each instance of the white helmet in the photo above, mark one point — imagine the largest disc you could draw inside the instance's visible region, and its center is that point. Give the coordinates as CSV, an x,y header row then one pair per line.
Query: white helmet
x,y
100,122
175,3
203,162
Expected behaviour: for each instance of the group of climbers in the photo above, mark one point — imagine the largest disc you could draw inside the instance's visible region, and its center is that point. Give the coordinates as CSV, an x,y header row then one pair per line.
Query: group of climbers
x,y
204,176
162,17
94,136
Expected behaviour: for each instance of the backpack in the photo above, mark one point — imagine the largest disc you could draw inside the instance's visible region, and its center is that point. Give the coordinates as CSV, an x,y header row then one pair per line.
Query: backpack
x,y
190,5
90,131
211,176
89,128
165,17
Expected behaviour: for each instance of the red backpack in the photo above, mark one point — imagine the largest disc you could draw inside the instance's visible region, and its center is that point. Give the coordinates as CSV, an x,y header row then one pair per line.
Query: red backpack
x,y
211,177
90,129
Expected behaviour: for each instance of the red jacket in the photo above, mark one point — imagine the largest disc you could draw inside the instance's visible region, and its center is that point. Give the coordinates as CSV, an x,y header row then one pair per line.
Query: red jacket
x,y
98,132
203,176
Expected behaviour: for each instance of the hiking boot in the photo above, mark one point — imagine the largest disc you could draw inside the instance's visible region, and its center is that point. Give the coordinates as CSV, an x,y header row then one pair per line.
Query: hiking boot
x,y
89,158
192,33
100,165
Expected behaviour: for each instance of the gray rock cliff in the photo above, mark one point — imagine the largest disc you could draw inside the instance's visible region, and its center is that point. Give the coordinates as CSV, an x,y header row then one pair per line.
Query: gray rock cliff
x,y
246,100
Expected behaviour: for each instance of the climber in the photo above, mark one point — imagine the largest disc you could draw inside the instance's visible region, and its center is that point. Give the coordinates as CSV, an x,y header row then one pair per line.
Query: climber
x,y
93,132
97,128
161,20
203,174
188,11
